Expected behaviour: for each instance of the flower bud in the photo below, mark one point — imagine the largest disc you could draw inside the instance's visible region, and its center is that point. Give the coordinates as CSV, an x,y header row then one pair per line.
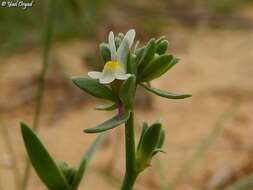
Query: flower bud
x,y
151,140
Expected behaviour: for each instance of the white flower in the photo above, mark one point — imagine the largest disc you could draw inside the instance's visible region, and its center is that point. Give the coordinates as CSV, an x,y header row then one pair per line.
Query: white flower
x,y
116,68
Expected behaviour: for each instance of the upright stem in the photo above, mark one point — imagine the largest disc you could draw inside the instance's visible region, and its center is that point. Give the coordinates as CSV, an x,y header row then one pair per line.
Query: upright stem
x,y
40,92
131,173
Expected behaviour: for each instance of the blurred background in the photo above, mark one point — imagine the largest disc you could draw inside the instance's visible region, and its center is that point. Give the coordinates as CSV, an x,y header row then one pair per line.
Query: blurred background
x,y
209,141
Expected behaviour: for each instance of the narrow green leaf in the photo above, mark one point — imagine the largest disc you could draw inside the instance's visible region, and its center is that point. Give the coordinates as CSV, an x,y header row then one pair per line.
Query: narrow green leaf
x,y
93,87
147,56
143,131
105,52
109,124
85,160
157,67
161,139
131,65
106,107
42,162
166,94
150,139
127,92
139,53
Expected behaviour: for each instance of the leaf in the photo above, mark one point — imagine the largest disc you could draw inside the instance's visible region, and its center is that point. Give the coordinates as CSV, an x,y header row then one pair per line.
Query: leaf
x,y
131,66
150,139
157,67
85,160
144,129
175,61
127,92
42,162
105,52
139,53
106,107
109,124
147,55
166,94
162,47
68,172
159,40
94,88
161,139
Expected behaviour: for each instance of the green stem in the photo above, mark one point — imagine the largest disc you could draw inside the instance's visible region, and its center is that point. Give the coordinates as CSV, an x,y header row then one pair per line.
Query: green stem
x,y
41,86
131,174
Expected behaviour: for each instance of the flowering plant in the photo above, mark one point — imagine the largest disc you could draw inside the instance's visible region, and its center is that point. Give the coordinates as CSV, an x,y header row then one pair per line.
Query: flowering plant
x,y
124,68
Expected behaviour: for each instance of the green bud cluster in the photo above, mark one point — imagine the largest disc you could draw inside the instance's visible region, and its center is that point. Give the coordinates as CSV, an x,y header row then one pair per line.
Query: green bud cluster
x,y
150,143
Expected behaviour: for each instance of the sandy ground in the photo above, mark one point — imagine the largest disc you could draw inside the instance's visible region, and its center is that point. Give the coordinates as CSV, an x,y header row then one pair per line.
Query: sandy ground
x,y
216,68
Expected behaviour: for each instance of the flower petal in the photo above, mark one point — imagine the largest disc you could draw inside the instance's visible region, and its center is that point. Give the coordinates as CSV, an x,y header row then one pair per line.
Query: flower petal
x,y
106,78
123,76
95,74
112,46
125,47
120,74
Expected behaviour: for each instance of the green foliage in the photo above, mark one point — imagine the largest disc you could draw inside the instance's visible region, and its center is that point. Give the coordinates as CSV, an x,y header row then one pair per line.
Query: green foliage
x,y
143,65
143,131
107,107
93,87
157,67
68,172
127,92
146,55
131,64
161,139
109,124
162,47
42,162
150,143
166,94
55,176
150,139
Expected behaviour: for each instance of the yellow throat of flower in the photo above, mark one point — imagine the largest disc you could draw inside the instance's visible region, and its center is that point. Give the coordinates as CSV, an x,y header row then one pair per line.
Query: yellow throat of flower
x,y
111,65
